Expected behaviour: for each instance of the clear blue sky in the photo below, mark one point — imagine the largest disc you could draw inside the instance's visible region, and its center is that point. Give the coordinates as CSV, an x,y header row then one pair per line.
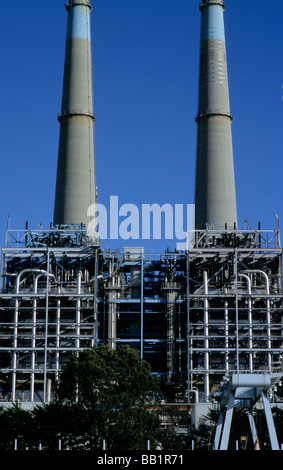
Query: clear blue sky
x,y
145,64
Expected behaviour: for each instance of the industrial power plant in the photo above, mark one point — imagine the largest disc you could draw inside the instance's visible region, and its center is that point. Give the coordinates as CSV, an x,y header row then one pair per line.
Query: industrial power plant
x,y
208,318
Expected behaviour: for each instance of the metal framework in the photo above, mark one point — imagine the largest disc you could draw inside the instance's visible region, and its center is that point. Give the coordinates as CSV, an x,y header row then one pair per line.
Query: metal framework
x,y
244,391
196,316
234,305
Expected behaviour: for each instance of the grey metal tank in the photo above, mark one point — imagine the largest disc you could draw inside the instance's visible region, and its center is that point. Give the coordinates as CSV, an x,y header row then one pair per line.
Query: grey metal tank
x,y
215,198
75,184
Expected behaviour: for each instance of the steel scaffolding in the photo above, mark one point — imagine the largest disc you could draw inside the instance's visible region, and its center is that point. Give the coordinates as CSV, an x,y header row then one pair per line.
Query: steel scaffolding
x,y
234,306
196,316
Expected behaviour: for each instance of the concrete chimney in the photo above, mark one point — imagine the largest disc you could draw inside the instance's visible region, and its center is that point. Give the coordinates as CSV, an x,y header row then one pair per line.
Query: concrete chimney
x,y
215,199
75,184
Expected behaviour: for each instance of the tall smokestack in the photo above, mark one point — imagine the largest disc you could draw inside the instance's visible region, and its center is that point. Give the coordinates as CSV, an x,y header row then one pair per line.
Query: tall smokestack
x,y
75,185
215,199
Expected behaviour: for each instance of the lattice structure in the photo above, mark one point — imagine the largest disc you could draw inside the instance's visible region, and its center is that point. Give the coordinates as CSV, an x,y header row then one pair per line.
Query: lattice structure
x,y
196,315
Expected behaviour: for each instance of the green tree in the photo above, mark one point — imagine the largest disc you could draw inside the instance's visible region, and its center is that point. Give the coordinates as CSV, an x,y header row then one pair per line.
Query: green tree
x,y
56,421
16,423
111,391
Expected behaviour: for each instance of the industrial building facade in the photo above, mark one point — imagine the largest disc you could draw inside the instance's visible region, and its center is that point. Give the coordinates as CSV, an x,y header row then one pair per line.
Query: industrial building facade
x,y
195,316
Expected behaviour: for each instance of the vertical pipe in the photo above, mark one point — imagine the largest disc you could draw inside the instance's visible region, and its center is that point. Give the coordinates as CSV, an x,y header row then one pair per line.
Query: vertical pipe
x,y
46,329
142,268
268,318
237,359
15,339
171,297
226,335
34,315
250,321
33,345
189,377
95,312
206,336
78,310
15,345
58,323
112,308
33,341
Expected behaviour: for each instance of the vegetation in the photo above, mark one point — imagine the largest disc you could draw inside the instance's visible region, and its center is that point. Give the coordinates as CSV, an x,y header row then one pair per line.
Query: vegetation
x,y
106,395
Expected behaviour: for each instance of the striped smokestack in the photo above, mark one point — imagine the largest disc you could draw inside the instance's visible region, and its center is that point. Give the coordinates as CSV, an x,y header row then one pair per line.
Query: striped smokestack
x,y
215,199
75,184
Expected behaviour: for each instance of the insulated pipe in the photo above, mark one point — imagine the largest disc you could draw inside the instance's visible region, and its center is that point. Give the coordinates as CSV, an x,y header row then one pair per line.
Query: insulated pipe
x,y
226,323
16,327
206,335
112,308
33,341
78,309
267,289
15,344
215,198
58,323
171,330
249,288
75,184
251,380
195,391
40,272
24,271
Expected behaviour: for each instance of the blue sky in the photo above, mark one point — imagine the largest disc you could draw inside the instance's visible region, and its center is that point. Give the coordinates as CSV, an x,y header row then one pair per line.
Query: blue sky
x,y
145,74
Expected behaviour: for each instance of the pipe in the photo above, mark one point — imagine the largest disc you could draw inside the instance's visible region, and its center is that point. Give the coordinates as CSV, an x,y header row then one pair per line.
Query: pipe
x,y
78,309
15,344
16,329
251,380
226,323
40,272
43,273
112,313
206,334
249,288
195,391
24,271
58,323
267,289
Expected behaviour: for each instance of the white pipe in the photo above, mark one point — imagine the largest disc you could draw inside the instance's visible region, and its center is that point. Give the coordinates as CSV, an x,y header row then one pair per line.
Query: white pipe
x,y
226,333
41,273
249,288
195,391
58,322
15,344
49,387
112,326
24,271
78,309
267,288
206,333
